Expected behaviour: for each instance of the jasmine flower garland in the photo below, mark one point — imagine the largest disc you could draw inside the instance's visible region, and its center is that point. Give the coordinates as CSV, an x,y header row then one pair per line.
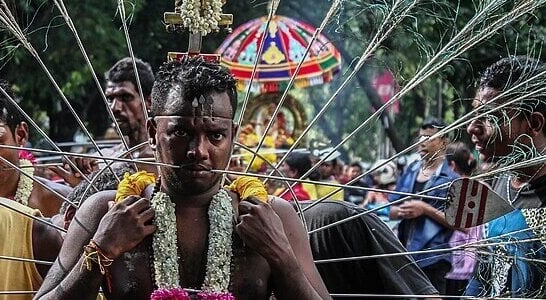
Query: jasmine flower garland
x,y
201,16
25,184
164,243
219,251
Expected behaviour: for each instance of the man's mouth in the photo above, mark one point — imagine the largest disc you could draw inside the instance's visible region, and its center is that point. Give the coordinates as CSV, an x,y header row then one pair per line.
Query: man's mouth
x,y
196,170
478,145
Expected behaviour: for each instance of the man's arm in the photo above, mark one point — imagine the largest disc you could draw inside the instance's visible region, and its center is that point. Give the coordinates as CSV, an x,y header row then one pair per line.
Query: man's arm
x,y
46,243
275,231
115,230
65,275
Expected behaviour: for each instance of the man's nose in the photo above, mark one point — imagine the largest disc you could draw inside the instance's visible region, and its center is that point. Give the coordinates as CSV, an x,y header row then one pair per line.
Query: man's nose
x,y
115,105
197,149
474,127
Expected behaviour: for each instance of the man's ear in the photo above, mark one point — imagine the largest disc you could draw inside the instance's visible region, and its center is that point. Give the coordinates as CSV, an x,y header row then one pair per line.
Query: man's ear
x,y
536,123
234,129
21,134
151,127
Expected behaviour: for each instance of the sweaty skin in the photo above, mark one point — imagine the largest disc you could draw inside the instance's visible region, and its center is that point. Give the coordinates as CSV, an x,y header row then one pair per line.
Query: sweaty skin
x,y
271,250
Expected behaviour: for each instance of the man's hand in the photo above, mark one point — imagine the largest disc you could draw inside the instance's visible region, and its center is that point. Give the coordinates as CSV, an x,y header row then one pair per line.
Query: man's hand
x,y
124,226
412,209
261,228
72,176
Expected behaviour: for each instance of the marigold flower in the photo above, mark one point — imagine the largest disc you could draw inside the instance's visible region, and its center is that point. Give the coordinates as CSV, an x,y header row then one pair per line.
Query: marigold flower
x,y
133,184
247,186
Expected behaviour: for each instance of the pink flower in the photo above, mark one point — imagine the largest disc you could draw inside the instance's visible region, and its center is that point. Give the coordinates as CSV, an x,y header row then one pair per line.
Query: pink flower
x,y
170,294
24,154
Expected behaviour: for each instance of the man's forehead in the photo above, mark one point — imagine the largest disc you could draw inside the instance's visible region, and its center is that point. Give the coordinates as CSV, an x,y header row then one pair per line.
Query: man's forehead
x,y
214,104
128,85
428,131
175,119
484,96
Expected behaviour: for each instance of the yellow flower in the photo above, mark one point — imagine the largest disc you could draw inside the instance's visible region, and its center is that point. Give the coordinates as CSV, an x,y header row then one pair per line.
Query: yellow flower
x,y
133,184
247,186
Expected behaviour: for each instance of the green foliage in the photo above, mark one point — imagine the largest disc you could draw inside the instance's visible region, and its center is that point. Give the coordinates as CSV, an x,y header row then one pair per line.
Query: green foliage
x,y
428,27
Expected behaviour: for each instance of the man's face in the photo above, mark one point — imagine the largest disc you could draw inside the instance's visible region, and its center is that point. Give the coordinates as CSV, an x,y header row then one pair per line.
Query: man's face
x,y
432,148
287,171
496,134
326,169
354,172
126,106
196,136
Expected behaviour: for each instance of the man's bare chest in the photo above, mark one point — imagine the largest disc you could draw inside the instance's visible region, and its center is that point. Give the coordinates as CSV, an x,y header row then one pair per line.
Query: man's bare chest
x,y
132,273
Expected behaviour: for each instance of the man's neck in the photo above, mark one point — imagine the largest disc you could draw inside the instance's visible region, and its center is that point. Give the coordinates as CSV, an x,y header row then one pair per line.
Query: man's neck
x,y
201,200
9,188
137,137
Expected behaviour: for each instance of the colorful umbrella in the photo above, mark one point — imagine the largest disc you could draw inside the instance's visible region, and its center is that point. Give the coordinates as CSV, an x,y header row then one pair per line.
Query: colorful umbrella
x,y
285,44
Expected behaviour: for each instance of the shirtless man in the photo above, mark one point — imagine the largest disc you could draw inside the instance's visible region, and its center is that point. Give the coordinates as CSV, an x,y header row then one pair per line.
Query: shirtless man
x,y
193,105
13,185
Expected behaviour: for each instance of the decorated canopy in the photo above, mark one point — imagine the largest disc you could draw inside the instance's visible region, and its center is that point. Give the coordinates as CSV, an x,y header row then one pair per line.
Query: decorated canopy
x,y
285,42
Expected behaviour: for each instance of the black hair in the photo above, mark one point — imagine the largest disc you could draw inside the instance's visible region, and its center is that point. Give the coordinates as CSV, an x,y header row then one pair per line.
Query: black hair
x,y
298,161
123,70
513,70
105,181
434,123
8,111
195,77
356,164
460,153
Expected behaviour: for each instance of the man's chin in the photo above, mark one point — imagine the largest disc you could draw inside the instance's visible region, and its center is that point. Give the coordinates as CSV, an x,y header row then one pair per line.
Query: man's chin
x,y
198,184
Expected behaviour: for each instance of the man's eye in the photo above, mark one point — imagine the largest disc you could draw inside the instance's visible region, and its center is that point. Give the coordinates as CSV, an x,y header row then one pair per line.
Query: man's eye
x,y
217,136
181,133
126,98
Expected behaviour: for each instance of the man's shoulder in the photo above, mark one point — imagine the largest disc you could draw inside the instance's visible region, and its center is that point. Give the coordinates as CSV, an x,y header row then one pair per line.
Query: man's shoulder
x,y
9,206
112,151
279,204
97,204
49,188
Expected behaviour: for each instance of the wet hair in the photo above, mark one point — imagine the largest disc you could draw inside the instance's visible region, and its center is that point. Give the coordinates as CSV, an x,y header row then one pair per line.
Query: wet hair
x,y
123,71
195,77
459,153
9,113
510,71
300,162
105,181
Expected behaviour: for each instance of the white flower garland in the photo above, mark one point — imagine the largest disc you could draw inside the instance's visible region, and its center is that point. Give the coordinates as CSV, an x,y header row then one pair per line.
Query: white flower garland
x,y
201,16
25,183
219,251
